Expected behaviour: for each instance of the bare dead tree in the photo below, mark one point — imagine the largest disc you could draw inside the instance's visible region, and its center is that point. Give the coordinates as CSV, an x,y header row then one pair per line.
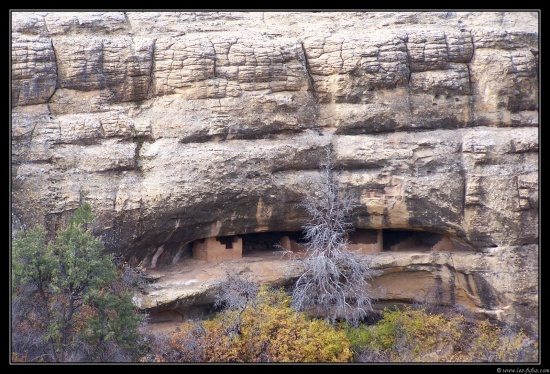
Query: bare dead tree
x,y
335,282
237,292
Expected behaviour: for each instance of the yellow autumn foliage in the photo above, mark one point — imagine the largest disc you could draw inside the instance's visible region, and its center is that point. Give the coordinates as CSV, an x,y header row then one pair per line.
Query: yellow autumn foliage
x,y
269,331
414,335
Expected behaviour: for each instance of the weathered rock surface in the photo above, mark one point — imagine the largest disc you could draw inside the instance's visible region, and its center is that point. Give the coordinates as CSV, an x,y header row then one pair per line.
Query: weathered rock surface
x,y
179,126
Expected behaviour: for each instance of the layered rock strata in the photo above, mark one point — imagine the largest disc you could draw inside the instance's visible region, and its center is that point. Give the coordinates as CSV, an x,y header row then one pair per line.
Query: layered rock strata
x,y
181,126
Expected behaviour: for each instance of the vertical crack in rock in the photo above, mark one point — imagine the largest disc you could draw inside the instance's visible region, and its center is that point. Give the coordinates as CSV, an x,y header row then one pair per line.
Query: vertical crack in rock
x,y
516,182
128,21
102,81
471,96
137,149
446,46
55,65
214,60
473,47
463,175
56,73
341,58
310,81
406,41
150,91
452,280
101,129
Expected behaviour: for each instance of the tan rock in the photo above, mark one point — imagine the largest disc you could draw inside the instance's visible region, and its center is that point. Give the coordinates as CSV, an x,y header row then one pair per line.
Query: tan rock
x,y
179,126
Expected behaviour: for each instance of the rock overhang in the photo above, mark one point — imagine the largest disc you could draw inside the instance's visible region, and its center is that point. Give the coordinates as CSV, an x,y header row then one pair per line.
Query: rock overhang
x,y
183,126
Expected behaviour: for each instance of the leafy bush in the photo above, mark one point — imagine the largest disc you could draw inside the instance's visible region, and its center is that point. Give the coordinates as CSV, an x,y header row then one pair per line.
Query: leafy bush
x,y
68,301
488,342
270,331
417,336
408,335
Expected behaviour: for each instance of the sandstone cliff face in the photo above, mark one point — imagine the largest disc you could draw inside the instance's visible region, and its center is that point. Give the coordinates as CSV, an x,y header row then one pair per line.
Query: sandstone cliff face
x,y
180,126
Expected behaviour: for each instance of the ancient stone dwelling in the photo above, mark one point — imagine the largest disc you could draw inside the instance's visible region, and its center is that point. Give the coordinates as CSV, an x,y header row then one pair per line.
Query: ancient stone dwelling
x,y
221,248
362,241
